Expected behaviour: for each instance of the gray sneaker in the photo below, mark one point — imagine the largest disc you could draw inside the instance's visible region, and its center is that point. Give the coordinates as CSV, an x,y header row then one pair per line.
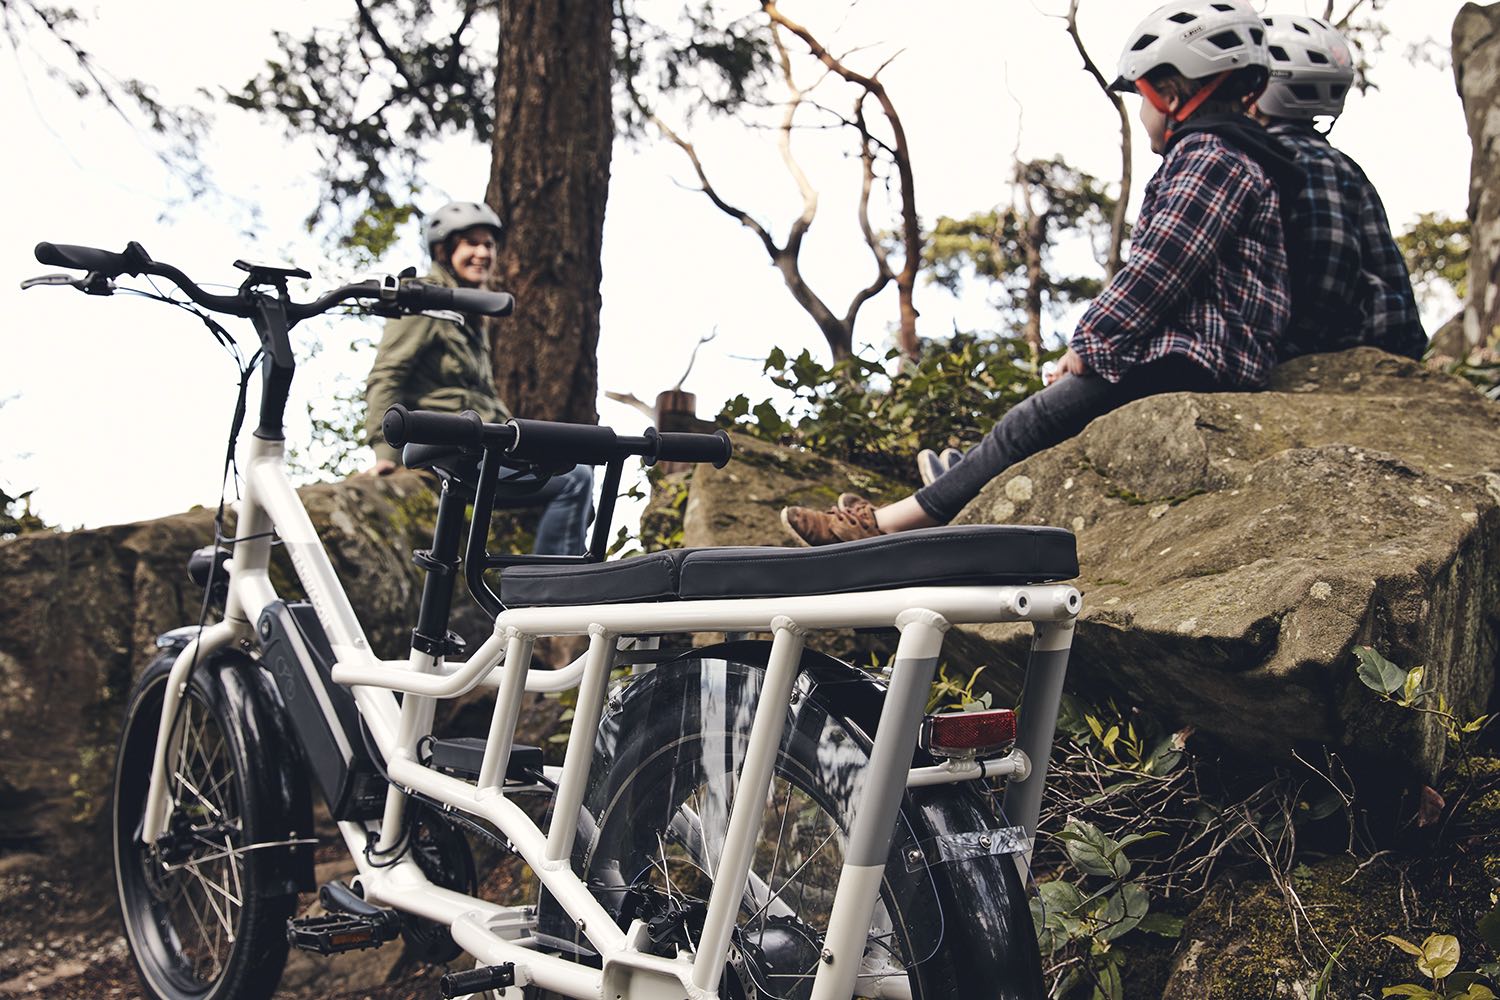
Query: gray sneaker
x,y
950,457
929,466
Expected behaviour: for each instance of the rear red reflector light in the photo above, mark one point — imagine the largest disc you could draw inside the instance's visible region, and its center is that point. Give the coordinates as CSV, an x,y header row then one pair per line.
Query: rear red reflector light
x,y
958,733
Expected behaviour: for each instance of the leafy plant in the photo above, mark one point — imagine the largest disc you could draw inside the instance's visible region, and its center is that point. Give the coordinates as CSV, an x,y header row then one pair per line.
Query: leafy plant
x,y
878,412
950,693
16,515
1437,959
1086,910
1404,688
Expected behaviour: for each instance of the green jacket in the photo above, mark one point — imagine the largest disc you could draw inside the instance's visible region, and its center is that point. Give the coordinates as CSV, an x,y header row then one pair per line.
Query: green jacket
x,y
428,363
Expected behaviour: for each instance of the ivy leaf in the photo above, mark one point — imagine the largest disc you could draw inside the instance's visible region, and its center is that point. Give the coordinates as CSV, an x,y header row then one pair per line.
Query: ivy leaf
x,y
1403,944
1378,673
1439,956
1410,990
1489,929
1162,924
1092,852
1411,688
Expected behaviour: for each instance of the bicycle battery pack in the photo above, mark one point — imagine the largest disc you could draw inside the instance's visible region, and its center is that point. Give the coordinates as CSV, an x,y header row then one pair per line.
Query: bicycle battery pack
x,y
296,652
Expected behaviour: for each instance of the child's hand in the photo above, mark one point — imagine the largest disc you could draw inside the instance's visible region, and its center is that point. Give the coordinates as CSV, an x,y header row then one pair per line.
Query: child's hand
x,y
1069,364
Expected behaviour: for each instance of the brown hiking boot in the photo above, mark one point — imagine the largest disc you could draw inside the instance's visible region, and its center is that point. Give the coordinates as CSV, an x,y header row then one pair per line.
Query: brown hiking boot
x,y
852,502
813,527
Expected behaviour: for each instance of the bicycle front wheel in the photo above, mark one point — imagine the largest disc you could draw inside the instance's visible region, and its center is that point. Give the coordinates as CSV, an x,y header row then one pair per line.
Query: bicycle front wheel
x,y
204,918
660,800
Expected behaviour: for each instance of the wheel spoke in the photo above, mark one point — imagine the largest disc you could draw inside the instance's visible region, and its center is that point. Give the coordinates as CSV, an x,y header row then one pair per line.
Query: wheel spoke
x,y
776,893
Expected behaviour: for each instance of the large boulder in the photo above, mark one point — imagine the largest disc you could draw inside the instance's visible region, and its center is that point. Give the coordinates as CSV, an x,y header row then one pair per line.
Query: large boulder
x,y
78,615
1235,547
1476,70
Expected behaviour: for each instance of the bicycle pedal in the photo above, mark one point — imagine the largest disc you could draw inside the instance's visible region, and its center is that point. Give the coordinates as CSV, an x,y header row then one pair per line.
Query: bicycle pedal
x,y
462,756
334,933
488,977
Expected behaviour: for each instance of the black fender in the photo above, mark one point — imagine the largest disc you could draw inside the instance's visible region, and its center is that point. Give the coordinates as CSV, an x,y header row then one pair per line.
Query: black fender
x,y
279,784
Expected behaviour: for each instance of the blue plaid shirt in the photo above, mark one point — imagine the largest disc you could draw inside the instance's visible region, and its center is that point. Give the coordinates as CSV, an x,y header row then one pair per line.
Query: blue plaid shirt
x,y
1207,274
1350,285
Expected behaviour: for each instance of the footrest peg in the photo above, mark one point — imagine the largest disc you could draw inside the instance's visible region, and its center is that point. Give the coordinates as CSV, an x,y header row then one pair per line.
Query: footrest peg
x,y
489,977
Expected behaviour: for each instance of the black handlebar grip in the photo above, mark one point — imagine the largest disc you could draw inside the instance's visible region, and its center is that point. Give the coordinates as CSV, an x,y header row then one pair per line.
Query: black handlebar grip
x,y
580,444
402,426
679,447
85,258
419,295
477,300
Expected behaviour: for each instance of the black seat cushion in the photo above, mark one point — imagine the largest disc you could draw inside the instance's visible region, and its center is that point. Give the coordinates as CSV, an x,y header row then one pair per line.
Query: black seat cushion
x,y
967,554
454,463
645,578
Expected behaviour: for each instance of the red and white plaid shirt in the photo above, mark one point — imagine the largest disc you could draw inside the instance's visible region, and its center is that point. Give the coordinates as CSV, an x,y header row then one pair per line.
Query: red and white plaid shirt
x,y
1207,274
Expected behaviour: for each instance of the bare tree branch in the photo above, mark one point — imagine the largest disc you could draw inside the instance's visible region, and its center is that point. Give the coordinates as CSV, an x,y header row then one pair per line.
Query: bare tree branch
x,y
693,357
883,273
910,227
1117,220
629,399
367,22
743,217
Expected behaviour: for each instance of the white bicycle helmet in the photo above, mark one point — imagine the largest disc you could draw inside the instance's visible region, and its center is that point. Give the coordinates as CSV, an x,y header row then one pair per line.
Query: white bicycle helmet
x,y
455,217
1197,38
1311,68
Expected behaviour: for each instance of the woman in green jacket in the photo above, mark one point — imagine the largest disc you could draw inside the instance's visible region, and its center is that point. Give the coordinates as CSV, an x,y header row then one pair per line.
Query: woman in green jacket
x,y
441,361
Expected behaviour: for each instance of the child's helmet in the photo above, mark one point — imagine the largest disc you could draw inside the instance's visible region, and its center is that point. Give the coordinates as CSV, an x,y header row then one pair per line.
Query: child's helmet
x,y
1311,68
455,217
1198,39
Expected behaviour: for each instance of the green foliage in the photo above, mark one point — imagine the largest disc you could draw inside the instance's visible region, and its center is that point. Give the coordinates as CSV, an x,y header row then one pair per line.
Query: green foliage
x,y
950,693
1055,201
336,449
1437,959
16,516
879,413
376,91
1404,688
1083,912
1436,249
55,34
372,93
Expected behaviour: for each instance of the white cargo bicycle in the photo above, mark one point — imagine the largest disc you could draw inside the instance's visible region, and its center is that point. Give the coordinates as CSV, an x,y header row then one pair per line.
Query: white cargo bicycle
x,y
749,819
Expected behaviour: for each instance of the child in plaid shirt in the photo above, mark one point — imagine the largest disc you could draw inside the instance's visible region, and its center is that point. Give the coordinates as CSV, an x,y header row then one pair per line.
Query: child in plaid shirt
x,y
1203,298
1350,285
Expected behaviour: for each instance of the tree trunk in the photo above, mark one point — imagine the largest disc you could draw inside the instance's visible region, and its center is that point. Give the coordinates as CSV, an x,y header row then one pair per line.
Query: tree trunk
x,y
1476,68
549,180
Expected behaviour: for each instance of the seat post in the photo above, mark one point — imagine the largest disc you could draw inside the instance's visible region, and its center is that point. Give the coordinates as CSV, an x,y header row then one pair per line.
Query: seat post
x,y
440,563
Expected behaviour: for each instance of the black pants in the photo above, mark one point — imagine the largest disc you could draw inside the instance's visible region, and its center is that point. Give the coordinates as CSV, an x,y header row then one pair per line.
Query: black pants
x,y
1053,415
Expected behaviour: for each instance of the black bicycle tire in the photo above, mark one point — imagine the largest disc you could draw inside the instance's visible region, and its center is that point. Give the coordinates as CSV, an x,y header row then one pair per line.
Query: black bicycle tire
x,y
258,954
988,948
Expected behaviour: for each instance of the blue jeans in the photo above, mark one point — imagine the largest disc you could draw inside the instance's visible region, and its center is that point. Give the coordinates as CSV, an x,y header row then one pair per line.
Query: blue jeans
x,y
569,500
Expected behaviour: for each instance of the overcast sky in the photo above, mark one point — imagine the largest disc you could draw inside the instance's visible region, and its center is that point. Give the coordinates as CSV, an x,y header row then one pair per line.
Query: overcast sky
x,y
115,409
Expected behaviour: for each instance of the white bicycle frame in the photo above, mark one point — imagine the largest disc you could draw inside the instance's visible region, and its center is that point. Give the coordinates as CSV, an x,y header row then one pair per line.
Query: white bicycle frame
x,y
495,934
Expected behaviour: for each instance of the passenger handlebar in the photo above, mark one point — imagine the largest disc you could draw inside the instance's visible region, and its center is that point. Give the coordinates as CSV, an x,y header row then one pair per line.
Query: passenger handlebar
x,y
547,441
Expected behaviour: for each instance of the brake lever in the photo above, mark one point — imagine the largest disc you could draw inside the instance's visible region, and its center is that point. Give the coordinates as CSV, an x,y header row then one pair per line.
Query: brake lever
x,y
93,283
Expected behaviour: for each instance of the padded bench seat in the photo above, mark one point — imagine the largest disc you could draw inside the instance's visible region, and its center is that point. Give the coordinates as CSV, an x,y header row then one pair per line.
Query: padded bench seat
x,y
950,556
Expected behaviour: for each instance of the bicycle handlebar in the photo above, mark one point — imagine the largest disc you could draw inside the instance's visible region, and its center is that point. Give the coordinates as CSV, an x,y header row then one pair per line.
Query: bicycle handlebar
x,y
90,258
407,295
548,441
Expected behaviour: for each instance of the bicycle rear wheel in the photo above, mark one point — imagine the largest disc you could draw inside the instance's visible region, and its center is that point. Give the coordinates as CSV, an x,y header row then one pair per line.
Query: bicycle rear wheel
x,y
205,919
660,800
